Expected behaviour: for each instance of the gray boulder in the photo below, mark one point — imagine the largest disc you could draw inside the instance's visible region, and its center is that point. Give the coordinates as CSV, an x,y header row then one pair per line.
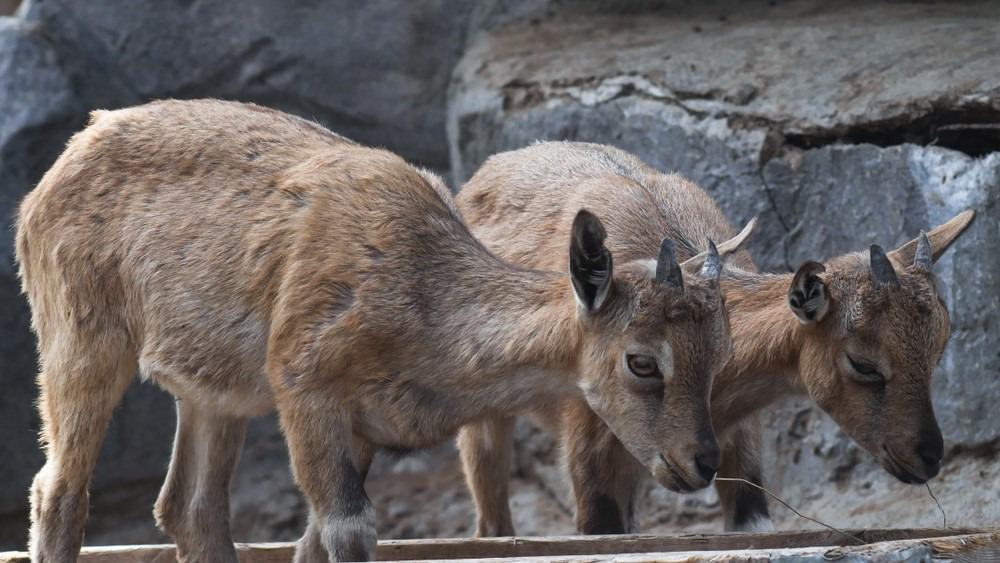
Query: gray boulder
x,y
372,71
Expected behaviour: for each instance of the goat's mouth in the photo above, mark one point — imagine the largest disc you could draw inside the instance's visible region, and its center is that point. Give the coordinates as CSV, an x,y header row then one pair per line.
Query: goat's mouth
x,y
902,471
681,484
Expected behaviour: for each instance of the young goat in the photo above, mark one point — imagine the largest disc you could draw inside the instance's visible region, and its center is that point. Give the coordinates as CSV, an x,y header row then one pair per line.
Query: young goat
x,y
860,334
247,260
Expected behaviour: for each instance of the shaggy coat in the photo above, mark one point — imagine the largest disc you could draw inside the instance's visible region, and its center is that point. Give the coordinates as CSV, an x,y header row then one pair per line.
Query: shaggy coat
x,y
246,260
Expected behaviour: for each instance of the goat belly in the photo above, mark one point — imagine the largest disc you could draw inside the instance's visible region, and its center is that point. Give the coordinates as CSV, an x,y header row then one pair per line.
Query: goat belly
x,y
407,416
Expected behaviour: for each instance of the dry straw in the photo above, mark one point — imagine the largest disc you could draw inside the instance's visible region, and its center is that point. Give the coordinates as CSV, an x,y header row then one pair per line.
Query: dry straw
x,y
944,516
789,507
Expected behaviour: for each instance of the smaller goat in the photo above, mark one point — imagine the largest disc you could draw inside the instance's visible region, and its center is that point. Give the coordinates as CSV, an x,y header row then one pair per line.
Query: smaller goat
x,y
860,334
247,260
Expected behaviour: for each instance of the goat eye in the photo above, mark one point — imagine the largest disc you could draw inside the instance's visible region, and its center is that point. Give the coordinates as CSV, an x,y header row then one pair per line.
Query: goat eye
x,y
865,372
643,366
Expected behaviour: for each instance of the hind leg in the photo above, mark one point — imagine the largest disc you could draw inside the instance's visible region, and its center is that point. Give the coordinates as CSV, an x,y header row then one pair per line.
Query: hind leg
x,y
82,380
744,507
193,506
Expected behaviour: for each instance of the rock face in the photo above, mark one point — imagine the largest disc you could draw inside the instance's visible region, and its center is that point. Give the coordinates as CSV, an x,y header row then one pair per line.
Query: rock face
x,y
373,71
840,126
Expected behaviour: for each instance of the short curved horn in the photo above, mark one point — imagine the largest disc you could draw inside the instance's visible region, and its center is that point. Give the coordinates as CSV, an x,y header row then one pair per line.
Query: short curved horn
x,y
940,237
668,271
725,249
922,258
712,267
883,274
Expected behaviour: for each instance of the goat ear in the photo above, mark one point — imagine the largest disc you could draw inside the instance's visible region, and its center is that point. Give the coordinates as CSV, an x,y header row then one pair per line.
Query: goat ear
x,y
725,250
808,297
939,238
589,261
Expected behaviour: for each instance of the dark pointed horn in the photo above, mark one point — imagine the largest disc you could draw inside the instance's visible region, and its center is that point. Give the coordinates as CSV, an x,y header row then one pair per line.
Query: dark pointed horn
x,y
713,263
922,259
668,271
882,271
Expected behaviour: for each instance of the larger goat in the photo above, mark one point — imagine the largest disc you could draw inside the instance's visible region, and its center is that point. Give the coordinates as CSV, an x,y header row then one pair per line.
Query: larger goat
x,y
247,260
860,334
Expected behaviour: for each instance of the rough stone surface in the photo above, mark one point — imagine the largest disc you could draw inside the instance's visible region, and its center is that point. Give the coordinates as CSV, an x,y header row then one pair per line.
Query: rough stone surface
x,y
840,126
373,71
748,61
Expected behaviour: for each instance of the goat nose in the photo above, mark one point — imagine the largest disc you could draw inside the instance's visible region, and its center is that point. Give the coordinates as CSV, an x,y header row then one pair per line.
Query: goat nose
x,y
930,451
708,459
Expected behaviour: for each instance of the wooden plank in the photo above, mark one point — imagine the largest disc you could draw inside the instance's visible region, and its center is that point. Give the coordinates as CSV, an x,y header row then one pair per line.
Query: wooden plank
x,y
544,547
109,554
977,548
397,550
797,554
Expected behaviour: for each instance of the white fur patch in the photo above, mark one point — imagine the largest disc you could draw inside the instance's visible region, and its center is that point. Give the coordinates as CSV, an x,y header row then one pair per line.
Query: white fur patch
x,y
756,525
650,266
666,361
343,536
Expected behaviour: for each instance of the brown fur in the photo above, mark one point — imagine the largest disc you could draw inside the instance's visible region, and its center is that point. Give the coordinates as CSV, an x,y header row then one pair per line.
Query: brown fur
x,y
515,203
247,260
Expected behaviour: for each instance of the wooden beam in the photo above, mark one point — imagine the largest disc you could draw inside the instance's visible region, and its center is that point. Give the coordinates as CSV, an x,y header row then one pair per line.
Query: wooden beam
x,y
560,547
963,548
401,550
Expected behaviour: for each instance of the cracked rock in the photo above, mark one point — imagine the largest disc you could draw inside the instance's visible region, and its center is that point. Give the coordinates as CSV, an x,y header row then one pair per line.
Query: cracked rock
x,y
373,71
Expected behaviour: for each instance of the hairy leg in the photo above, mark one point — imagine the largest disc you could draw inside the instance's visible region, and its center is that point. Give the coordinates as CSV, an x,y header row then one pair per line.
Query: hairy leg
x,y
744,507
330,471
193,506
605,476
83,378
310,546
485,447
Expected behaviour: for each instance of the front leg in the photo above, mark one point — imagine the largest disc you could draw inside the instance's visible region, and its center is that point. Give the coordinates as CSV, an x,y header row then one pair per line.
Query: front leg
x,y
743,506
605,476
308,349
485,447
310,547
330,472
